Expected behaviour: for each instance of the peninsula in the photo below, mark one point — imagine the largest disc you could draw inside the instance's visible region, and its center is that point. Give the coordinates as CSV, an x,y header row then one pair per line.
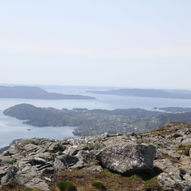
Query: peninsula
x,y
28,92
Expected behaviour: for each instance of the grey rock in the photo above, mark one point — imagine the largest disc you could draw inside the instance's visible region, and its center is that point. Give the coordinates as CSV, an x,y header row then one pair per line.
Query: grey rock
x,y
27,174
94,168
55,147
58,165
33,161
46,171
38,184
36,161
68,160
127,158
11,172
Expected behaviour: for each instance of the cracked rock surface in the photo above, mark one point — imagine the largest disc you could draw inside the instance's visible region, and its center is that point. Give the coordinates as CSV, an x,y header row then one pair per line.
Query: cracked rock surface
x,y
33,162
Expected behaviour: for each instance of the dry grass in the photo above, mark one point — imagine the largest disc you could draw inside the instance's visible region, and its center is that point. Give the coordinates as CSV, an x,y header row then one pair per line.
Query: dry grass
x,y
14,186
170,128
84,182
112,181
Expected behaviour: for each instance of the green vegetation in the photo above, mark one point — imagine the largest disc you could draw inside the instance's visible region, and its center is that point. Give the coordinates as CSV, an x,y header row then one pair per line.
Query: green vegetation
x,y
111,181
169,128
99,185
66,186
95,122
151,184
30,189
184,149
88,122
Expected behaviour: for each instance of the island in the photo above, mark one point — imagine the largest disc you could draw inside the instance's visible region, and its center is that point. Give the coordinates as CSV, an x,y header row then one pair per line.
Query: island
x,y
28,92
97,121
154,93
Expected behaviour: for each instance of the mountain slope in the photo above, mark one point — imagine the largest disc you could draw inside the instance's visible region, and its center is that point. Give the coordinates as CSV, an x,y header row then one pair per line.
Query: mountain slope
x,y
158,160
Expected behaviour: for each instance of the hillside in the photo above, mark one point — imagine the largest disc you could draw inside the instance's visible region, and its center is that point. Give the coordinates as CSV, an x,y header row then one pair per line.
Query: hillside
x,y
26,92
95,122
155,161
88,122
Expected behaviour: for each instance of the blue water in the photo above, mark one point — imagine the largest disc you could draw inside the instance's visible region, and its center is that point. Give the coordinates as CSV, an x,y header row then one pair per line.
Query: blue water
x,y
11,128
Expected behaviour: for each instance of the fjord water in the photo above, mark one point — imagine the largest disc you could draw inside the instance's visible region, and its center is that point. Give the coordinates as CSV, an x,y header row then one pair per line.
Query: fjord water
x,y
11,129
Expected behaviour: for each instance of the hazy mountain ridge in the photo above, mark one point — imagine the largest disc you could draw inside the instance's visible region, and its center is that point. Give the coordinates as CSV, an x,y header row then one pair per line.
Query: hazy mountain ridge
x,y
26,92
155,93
174,109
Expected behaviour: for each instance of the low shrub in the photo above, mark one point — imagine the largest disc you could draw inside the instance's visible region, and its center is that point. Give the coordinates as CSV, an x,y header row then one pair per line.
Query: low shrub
x,y
184,149
66,186
151,184
99,185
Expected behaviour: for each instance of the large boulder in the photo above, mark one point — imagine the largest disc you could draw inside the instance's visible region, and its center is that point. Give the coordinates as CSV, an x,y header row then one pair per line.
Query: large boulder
x,y
125,158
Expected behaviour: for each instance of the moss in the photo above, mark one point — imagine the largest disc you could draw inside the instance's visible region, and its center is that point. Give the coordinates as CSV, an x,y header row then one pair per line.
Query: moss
x,y
99,185
184,149
95,146
151,184
30,189
66,186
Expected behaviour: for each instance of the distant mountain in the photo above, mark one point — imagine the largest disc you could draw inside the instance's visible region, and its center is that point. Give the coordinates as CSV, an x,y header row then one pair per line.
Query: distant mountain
x,y
156,93
174,109
26,92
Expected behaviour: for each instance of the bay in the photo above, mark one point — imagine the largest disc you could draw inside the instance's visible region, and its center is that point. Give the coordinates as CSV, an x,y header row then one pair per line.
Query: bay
x,y
11,128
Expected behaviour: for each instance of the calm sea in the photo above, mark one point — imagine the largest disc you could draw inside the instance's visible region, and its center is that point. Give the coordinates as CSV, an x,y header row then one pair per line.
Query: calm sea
x,y
11,128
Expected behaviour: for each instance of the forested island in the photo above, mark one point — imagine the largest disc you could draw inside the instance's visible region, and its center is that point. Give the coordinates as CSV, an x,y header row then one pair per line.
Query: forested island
x,y
94,122
155,93
27,92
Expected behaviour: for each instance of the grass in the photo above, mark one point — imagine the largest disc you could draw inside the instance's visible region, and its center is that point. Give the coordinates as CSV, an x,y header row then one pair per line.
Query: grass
x,y
30,189
15,186
83,180
184,149
94,181
99,185
66,186
169,128
151,184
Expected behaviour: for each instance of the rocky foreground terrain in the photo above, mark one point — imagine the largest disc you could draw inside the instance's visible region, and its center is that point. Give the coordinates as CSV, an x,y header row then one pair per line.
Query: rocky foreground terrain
x,y
159,160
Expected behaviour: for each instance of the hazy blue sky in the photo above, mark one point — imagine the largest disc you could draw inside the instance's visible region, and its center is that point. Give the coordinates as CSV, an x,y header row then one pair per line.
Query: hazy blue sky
x,y
132,43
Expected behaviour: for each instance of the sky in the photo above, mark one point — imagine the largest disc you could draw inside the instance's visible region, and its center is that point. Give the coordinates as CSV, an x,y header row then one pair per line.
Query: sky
x,y
122,43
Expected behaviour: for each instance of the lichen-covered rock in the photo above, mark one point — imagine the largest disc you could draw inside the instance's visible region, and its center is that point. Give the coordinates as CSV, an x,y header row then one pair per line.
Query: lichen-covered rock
x,y
10,174
173,181
127,158
34,162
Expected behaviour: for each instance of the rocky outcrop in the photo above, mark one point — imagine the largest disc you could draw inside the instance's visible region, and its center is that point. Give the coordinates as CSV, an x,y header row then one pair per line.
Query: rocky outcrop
x,y
164,151
127,158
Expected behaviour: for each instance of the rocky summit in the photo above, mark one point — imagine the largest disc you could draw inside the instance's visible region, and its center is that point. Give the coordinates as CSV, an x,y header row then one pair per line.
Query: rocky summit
x,y
155,161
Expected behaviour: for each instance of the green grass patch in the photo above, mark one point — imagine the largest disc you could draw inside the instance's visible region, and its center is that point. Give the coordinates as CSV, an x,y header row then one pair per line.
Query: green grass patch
x,y
66,186
151,184
99,185
30,189
184,149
